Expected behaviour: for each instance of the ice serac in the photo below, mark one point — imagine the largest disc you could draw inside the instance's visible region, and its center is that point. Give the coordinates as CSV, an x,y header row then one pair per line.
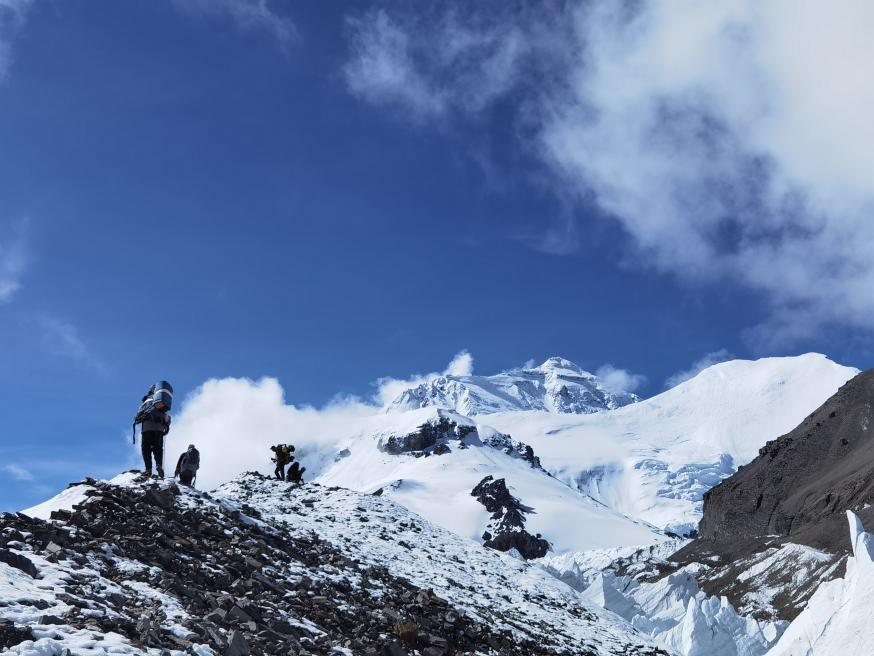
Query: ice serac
x,y
556,386
837,619
654,459
672,610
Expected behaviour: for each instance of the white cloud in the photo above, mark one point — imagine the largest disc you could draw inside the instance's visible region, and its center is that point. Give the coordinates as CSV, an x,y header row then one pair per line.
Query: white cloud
x,y
461,365
619,380
702,363
388,389
12,14
248,15
61,338
234,421
730,139
13,259
17,472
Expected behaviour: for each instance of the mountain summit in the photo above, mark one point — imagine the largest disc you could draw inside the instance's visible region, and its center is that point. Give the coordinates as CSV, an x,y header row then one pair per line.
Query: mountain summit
x,y
557,386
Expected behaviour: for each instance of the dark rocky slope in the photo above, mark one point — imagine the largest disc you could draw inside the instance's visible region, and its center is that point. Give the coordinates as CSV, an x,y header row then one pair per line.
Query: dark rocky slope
x,y
796,491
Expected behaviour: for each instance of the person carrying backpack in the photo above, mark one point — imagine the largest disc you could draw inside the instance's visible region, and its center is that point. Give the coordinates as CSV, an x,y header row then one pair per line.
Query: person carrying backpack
x,y
154,419
281,456
187,465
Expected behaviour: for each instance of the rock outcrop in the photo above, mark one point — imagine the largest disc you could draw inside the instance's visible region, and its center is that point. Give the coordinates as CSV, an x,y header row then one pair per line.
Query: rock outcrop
x,y
788,505
506,528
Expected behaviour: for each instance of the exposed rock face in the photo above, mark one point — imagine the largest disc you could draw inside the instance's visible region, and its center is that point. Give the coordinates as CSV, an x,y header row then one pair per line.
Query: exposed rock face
x,y
426,436
506,529
788,506
802,483
439,434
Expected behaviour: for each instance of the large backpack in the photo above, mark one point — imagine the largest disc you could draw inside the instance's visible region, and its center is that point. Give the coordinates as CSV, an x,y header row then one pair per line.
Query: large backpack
x,y
190,460
156,404
158,400
162,396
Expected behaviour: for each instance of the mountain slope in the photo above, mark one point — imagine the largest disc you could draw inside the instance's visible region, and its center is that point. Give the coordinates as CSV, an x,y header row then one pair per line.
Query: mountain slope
x,y
787,507
556,386
132,566
431,460
654,460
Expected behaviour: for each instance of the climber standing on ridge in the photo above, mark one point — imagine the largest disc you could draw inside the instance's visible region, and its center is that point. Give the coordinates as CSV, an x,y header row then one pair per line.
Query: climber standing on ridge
x,y
281,456
154,419
187,465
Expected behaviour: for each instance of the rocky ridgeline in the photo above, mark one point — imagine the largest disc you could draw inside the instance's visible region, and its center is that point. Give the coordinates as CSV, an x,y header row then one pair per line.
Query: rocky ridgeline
x,y
444,432
506,528
431,437
174,572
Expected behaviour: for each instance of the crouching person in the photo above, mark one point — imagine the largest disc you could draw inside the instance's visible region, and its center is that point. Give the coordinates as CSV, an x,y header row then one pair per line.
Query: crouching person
x,y
187,465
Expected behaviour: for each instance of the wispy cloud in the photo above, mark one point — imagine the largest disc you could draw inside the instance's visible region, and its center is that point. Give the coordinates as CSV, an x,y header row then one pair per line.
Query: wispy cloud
x,y
620,380
12,15
702,363
247,15
14,257
62,338
17,473
731,140
431,63
388,388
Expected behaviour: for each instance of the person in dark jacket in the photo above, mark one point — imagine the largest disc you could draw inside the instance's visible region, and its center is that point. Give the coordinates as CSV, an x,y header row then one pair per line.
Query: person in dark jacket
x,y
155,424
187,465
295,473
281,456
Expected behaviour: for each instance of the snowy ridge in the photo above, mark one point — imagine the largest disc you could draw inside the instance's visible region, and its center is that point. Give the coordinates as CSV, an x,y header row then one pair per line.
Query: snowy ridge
x,y
261,567
556,386
837,619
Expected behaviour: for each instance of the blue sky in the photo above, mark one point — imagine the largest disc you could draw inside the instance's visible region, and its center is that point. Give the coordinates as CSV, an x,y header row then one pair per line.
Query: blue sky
x,y
306,191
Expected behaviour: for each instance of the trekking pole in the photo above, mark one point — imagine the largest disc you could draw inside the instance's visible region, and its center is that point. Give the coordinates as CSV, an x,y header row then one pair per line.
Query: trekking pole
x,y
133,433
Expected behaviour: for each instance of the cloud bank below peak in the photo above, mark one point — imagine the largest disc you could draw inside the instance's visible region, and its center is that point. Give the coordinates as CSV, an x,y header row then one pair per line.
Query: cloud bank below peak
x,y
730,140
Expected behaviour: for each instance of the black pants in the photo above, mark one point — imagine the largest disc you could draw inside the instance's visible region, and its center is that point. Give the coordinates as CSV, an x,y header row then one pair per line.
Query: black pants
x,y
153,445
185,477
280,470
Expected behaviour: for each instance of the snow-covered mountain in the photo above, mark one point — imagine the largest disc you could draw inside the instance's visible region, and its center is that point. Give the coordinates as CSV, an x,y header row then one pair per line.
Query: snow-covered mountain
x,y
653,460
556,386
430,460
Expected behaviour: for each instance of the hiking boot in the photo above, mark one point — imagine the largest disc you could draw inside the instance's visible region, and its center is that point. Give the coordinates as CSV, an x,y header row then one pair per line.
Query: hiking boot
x,y
147,472
160,473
